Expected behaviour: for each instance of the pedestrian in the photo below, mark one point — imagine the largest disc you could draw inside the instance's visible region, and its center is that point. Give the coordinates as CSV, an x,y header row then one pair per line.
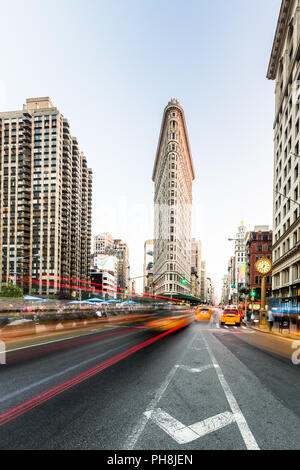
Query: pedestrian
x,y
270,320
280,324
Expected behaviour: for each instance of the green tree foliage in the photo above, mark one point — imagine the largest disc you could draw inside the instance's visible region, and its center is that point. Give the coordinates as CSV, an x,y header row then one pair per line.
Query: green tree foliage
x,y
11,291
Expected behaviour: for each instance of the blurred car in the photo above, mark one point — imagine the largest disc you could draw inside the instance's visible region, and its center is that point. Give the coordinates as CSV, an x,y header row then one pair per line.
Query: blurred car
x,y
203,313
167,320
231,316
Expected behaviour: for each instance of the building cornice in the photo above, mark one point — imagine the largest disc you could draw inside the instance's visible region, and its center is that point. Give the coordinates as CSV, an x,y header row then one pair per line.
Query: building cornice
x,y
287,255
281,28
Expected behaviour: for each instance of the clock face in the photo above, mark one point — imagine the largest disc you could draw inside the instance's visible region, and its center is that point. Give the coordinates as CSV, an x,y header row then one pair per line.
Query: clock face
x,y
263,266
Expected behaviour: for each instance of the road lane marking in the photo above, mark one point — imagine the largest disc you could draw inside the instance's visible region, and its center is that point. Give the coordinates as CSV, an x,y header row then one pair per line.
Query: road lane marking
x,y
194,370
33,345
183,434
247,435
58,374
40,399
140,426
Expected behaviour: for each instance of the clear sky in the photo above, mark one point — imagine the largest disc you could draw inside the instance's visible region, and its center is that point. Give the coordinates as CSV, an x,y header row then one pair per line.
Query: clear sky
x,y
111,67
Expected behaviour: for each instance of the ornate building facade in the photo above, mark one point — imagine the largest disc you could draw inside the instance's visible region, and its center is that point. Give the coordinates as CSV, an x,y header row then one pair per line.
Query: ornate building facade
x,y
284,68
173,176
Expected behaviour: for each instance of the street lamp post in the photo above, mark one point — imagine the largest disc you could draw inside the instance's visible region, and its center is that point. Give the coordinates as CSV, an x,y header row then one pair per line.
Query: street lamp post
x,y
263,266
263,312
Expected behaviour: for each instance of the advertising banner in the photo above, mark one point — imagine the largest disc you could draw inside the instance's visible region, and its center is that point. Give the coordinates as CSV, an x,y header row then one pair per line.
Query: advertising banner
x,y
105,262
242,273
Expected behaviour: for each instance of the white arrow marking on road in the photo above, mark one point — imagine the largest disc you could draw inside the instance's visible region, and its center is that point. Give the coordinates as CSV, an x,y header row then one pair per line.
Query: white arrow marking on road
x,y
195,370
183,434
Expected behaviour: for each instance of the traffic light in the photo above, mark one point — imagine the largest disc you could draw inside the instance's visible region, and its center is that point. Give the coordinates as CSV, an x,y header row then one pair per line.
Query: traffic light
x,y
183,280
253,293
126,291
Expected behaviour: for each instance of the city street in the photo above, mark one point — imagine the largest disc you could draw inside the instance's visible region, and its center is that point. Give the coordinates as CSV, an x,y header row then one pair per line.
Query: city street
x,y
201,387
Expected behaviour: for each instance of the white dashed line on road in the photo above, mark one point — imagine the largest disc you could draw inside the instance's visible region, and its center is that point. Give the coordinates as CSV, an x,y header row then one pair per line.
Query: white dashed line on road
x,y
194,370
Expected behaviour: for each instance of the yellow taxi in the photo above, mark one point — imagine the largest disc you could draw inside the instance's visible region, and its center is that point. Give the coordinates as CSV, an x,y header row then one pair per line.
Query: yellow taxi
x,y
203,313
167,320
231,316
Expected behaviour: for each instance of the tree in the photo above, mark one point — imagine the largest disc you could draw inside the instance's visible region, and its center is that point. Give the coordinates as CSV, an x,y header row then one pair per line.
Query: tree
x,y
11,291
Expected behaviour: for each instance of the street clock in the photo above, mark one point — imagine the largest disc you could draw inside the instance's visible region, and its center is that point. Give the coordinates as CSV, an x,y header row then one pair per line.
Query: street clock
x,y
263,266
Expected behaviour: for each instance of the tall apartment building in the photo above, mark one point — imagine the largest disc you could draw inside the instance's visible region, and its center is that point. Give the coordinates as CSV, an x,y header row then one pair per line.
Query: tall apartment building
x,y
45,200
210,292
148,267
203,282
232,281
122,251
196,251
225,290
173,175
284,68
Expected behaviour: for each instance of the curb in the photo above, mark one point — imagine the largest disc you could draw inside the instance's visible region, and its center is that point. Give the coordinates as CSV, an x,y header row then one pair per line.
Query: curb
x,y
278,335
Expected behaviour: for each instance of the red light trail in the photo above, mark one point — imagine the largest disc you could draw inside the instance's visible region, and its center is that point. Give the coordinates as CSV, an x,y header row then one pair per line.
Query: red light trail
x,y
45,282
40,399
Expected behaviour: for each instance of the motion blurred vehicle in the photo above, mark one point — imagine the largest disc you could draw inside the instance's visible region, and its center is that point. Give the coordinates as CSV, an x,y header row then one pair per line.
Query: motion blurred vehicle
x,y
231,316
166,320
203,313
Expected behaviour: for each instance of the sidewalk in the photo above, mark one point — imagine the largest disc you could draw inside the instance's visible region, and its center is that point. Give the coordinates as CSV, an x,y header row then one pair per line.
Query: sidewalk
x,y
275,332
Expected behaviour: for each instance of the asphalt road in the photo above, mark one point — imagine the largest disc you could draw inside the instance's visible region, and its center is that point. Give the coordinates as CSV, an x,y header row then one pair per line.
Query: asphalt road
x,y
128,388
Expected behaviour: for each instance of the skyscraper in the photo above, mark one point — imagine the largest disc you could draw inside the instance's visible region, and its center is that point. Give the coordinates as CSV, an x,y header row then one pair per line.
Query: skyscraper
x,y
45,200
148,267
173,175
122,250
284,69
196,248
240,257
